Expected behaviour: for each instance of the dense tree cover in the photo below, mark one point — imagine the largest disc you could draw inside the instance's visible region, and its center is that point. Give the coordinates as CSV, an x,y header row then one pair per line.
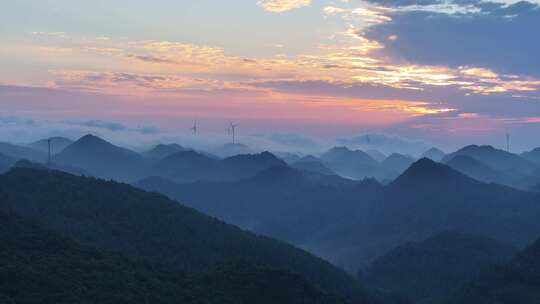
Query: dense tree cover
x,y
242,282
515,283
429,270
40,266
119,217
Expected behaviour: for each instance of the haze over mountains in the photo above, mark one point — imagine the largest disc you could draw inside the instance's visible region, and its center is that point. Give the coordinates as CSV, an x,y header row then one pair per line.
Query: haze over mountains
x,y
387,217
57,144
318,215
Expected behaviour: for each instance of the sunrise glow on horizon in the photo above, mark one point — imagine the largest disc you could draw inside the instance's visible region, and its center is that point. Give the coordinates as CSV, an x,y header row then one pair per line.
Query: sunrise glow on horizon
x,y
320,68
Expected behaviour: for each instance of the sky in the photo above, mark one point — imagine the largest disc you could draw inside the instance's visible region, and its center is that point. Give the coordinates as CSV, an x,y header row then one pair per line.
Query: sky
x,y
448,73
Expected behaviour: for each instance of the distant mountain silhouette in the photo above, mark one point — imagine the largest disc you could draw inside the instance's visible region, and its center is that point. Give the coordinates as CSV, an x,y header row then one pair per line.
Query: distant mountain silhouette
x,y
499,160
246,165
365,219
384,143
348,163
278,175
102,159
231,149
45,266
280,202
190,166
315,166
430,174
308,159
57,144
162,151
138,224
491,165
434,154
359,165
342,154
376,155
515,282
431,197
532,156
20,152
287,157
429,270
397,163
477,170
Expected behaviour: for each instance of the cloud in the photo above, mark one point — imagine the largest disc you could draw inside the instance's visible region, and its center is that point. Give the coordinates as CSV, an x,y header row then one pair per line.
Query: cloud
x,y
132,84
280,6
352,79
385,143
294,140
51,34
496,37
113,126
437,97
152,59
168,67
99,124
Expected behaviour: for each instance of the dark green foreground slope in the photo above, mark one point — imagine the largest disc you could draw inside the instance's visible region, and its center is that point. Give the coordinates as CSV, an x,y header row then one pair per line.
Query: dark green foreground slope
x,y
117,217
429,270
515,283
39,266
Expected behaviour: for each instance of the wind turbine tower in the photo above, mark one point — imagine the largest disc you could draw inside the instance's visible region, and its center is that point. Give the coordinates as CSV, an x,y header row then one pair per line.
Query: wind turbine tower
x,y
195,128
49,154
233,132
507,141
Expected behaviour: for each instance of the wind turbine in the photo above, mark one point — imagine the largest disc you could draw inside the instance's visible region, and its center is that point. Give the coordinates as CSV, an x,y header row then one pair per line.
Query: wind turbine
x,y
49,154
195,129
507,141
232,130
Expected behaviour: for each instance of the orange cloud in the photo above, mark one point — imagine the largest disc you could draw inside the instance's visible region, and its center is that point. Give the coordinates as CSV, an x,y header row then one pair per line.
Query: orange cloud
x,y
280,6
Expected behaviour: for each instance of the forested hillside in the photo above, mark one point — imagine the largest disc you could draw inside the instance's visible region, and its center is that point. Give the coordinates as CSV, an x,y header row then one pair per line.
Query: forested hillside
x,y
40,266
121,218
517,282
